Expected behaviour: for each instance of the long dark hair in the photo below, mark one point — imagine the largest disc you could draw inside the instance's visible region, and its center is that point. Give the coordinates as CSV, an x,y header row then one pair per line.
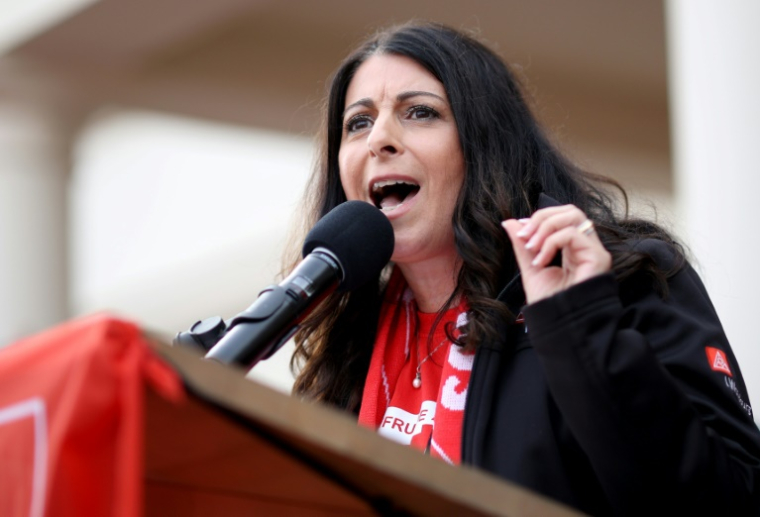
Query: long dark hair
x,y
509,163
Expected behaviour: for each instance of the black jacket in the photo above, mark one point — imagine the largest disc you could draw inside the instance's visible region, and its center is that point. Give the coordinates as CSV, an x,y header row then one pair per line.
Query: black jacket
x,y
606,400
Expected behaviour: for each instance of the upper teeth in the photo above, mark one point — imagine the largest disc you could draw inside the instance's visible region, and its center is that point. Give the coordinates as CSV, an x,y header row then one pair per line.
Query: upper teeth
x,y
380,184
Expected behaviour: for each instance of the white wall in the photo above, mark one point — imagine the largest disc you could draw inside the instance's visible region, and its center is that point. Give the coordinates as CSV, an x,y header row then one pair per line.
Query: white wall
x,y
714,81
33,152
175,219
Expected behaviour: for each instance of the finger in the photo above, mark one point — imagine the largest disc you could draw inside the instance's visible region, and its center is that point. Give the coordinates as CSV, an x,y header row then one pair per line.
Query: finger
x,y
523,256
554,243
538,217
585,254
553,223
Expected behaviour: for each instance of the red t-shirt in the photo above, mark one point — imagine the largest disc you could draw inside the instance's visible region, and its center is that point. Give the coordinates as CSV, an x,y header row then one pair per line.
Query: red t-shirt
x,y
429,417
410,415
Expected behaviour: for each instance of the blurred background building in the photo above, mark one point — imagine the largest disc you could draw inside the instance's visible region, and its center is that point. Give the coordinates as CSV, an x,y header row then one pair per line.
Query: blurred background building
x,y
153,152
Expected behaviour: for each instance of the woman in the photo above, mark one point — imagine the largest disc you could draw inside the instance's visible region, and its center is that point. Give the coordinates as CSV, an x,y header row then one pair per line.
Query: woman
x,y
571,350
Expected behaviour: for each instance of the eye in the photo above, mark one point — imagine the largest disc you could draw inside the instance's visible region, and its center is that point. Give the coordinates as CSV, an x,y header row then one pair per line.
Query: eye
x,y
357,123
422,112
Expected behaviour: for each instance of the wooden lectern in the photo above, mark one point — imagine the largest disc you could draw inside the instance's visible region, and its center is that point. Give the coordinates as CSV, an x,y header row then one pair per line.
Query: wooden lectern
x,y
209,442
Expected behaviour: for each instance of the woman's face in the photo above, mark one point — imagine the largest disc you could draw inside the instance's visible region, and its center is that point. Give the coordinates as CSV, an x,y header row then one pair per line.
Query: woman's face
x,y
400,151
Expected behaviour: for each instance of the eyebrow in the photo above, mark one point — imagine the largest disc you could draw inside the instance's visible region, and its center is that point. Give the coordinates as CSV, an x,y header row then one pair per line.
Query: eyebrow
x,y
367,102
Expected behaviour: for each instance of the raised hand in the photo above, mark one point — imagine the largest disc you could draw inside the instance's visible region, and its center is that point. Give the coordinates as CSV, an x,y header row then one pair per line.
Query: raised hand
x,y
537,240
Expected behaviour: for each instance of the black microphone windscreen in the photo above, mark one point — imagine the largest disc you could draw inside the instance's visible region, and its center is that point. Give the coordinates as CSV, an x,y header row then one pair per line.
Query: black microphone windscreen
x,y
360,236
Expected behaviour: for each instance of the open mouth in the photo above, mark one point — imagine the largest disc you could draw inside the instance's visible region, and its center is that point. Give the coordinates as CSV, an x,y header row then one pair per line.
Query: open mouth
x,y
391,194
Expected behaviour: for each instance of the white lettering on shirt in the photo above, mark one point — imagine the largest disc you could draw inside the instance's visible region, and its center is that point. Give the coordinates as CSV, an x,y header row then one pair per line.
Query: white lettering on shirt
x,y
401,426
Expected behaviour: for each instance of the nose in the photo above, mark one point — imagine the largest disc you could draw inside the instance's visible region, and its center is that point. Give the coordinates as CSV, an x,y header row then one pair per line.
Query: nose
x,y
384,140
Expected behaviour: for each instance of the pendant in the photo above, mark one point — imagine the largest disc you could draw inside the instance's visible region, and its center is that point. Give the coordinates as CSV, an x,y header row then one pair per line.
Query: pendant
x,y
417,382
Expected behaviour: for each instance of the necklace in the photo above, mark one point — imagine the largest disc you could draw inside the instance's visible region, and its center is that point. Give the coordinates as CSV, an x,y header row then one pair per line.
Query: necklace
x,y
417,382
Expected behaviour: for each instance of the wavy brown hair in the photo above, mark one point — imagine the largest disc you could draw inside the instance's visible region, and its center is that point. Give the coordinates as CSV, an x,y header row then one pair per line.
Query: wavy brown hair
x,y
509,163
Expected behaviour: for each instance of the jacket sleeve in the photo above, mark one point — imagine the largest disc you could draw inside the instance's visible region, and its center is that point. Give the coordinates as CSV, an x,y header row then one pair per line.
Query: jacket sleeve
x,y
651,390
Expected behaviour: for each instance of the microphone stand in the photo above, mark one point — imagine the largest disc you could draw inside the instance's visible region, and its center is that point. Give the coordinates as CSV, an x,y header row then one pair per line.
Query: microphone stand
x,y
264,327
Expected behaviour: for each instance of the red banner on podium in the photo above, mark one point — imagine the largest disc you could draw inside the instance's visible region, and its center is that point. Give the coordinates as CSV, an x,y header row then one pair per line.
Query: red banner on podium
x,y
72,419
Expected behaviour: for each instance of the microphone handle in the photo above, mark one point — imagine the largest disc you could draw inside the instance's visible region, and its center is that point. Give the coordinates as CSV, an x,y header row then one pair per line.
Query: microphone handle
x,y
260,330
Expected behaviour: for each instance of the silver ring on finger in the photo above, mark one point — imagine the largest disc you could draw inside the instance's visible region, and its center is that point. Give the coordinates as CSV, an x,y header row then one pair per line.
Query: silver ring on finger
x,y
586,227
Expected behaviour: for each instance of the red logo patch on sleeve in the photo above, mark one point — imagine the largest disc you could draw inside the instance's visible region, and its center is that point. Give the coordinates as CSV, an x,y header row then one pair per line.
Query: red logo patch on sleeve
x,y
717,360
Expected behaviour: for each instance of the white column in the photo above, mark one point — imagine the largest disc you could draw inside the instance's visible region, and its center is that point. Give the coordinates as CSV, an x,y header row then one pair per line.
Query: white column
x,y
33,174
714,77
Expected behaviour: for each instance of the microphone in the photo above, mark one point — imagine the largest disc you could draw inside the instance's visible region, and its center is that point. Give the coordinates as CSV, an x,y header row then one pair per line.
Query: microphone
x,y
346,248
